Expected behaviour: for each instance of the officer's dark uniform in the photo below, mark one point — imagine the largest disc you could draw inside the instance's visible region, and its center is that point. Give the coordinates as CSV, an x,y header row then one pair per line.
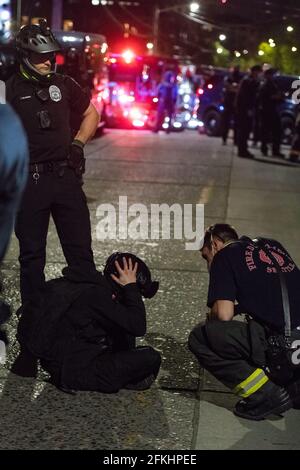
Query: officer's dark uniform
x,y
236,352
53,187
245,111
86,340
269,117
167,96
295,147
229,101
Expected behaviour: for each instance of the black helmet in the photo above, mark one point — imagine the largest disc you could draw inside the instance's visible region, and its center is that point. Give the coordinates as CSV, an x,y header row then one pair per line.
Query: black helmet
x,y
38,39
146,286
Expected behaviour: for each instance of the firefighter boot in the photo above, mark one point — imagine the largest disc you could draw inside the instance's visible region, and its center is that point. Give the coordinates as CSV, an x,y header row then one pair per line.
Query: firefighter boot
x,y
269,399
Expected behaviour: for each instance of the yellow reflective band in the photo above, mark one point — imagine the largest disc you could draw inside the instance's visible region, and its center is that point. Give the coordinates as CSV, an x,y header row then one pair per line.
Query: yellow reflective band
x,y
253,383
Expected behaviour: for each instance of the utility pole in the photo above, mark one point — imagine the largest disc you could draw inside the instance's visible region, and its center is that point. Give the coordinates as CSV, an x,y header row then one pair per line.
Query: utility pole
x,y
57,14
19,13
156,29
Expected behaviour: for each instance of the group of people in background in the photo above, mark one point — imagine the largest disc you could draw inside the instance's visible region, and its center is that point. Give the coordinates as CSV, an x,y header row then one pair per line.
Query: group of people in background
x,y
252,102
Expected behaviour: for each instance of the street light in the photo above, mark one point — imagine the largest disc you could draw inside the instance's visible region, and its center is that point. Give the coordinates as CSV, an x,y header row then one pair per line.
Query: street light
x,y
290,29
194,7
222,37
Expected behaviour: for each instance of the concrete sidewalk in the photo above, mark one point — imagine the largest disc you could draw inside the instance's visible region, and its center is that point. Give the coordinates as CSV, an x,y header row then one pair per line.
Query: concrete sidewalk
x,y
263,200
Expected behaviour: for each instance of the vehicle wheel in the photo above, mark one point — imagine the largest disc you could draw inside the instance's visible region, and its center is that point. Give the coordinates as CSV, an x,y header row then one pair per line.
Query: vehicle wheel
x,y
212,123
287,129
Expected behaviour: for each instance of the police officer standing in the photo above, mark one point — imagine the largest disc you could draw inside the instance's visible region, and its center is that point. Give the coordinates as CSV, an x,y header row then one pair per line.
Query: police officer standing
x,y
45,101
269,98
231,84
253,358
167,97
245,109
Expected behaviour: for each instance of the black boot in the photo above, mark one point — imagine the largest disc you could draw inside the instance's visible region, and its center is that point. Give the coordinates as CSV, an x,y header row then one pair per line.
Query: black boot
x,y
142,384
270,399
26,364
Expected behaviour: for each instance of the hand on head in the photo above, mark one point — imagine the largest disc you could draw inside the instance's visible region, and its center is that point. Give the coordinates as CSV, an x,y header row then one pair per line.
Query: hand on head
x,y
127,275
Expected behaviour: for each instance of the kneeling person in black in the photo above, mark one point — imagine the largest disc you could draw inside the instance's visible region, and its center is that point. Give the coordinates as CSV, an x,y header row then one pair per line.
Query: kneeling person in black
x,y
244,279
83,328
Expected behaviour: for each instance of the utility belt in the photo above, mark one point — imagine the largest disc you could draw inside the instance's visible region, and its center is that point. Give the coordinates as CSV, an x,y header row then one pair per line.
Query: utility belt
x,y
280,354
47,167
59,167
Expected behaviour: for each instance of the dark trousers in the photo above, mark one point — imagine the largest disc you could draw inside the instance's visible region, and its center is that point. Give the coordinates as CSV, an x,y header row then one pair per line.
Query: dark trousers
x,y
224,349
270,131
112,371
63,198
228,116
244,126
231,351
164,111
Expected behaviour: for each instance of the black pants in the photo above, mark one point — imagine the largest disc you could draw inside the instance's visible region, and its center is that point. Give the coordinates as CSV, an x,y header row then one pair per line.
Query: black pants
x,y
227,117
234,352
164,111
270,131
112,371
244,126
63,198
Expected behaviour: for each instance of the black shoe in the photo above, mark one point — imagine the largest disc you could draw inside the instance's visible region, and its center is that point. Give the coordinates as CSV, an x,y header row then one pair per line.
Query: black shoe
x,y
26,365
265,152
294,158
142,385
245,155
272,399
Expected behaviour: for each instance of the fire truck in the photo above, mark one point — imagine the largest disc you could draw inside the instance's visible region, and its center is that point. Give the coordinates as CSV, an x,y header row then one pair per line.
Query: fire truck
x,y
131,95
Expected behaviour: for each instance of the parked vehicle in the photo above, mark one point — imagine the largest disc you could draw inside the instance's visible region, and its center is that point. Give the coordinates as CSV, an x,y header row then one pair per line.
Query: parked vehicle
x,y
210,107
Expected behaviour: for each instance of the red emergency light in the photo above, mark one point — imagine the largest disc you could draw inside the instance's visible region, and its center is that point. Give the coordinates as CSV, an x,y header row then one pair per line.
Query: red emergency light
x,y
60,59
128,56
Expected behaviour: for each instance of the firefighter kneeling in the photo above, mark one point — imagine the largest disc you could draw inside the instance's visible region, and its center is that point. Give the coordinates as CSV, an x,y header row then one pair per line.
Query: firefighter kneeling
x,y
83,327
257,359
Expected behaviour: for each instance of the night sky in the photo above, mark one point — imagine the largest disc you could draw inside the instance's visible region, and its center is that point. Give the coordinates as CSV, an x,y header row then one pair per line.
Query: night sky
x,y
245,22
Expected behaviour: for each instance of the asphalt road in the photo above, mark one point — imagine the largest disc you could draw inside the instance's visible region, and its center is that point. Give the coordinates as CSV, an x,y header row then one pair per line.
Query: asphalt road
x,y
259,197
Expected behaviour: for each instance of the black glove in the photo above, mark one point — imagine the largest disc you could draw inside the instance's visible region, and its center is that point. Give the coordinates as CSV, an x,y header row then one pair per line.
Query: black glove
x,y
76,158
